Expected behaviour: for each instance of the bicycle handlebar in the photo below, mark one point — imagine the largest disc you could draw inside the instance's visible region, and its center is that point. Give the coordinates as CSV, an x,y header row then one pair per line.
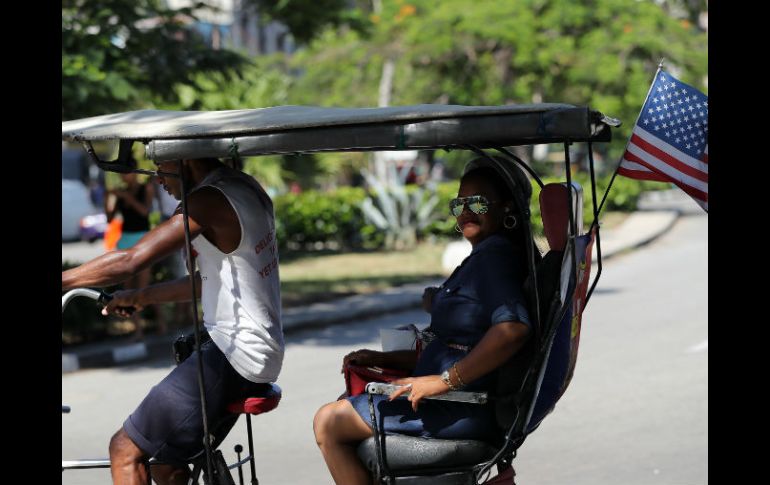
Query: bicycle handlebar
x,y
101,298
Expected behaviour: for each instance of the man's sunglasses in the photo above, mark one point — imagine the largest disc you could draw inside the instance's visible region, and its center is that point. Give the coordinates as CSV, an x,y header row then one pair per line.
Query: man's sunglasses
x,y
478,204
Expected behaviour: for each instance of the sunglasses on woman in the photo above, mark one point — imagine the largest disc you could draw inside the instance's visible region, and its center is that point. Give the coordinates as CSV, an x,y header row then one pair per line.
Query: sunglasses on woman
x,y
478,204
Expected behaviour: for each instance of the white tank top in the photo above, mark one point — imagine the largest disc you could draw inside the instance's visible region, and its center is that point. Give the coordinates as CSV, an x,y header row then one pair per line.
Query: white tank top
x,y
240,291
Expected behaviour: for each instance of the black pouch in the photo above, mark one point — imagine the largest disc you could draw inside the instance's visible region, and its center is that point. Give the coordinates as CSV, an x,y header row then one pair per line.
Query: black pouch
x,y
184,346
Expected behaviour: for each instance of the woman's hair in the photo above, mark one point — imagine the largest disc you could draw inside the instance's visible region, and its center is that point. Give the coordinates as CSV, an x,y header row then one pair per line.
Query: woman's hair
x,y
490,175
482,168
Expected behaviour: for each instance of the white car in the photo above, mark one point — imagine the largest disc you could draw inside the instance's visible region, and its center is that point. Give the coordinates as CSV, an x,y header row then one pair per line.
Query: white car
x,y
75,205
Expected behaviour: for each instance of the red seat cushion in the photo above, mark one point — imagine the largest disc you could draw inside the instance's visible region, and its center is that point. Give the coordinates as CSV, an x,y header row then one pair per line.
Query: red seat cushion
x,y
257,404
555,215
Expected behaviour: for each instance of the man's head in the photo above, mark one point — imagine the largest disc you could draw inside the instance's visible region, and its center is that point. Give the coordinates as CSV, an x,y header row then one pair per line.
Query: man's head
x,y
172,185
193,170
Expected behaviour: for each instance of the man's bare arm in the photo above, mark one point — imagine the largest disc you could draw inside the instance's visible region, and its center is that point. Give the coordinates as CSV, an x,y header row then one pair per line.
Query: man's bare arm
x,y
124,302
169,291
117,266
208,209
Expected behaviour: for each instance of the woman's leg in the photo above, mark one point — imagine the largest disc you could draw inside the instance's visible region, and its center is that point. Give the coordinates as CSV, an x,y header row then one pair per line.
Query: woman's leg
x,y
338,430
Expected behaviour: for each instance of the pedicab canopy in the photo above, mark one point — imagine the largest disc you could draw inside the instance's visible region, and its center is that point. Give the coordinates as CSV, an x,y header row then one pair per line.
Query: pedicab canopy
x,y
170,135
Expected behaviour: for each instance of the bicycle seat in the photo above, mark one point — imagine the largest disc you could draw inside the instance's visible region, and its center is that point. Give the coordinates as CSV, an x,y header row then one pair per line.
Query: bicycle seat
x,y
258,403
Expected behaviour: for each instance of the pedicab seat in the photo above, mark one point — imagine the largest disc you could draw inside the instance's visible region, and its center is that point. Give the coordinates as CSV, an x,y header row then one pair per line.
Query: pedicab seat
x,y
409,453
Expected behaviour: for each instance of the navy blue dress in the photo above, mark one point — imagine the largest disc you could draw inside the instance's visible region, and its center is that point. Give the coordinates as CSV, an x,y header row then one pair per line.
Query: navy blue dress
x,y
486,289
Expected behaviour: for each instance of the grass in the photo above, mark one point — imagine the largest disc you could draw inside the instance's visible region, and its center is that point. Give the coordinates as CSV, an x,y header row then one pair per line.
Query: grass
x,y
315,278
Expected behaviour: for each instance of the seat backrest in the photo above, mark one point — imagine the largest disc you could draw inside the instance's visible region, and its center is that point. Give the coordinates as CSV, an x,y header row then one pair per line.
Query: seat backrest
x,y
562,319
560,309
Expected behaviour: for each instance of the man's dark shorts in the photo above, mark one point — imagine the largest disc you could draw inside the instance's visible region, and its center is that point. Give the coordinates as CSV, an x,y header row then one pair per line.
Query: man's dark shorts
x,y
168,424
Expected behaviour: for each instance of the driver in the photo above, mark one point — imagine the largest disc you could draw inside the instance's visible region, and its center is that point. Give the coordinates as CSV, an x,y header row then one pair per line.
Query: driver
x,y
232,224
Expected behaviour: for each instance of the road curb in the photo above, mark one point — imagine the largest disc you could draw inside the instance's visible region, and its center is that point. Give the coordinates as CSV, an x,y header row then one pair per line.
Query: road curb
x,y
119,354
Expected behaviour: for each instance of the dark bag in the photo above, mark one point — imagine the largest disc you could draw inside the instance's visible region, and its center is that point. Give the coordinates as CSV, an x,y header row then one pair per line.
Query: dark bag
x,y
184,346
357,376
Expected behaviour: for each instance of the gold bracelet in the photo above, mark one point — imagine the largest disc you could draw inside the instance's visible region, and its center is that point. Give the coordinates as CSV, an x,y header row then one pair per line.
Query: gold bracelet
x,y
457,373
448,381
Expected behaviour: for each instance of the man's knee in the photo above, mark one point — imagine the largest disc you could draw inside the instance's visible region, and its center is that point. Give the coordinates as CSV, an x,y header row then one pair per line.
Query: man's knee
x,y
122,446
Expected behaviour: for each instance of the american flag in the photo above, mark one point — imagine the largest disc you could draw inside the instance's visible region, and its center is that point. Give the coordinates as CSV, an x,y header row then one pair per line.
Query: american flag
x,y
670,140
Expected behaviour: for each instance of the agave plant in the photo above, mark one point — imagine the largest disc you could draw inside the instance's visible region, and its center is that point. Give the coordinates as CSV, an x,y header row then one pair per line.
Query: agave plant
x,y
399,213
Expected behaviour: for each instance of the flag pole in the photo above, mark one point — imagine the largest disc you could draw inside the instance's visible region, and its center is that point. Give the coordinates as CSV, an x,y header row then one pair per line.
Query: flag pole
x,y
615,173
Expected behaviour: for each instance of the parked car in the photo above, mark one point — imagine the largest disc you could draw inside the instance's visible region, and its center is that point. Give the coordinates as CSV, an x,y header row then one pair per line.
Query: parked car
x,y
75,205
92,227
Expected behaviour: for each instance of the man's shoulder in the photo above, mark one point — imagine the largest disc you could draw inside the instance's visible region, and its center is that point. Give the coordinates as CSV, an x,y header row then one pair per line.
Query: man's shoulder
x,y
206,200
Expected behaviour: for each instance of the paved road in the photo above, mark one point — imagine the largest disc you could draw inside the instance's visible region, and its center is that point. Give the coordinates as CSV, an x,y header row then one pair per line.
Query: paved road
x,y
636,412
637,409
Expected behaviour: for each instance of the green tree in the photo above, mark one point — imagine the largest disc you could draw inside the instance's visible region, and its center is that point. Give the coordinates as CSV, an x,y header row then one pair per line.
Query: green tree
x,y
306,18
125,54
601,53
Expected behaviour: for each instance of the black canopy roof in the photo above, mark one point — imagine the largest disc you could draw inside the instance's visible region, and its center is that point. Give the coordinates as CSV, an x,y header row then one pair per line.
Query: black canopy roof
x,y
299,129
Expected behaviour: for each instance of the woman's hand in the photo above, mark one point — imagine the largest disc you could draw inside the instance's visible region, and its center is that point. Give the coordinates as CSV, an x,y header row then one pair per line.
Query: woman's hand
x,y
123,303
419,388
363,357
